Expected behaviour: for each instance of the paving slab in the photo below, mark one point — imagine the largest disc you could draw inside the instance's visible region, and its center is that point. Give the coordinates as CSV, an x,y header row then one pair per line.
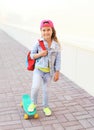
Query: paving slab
x,y
72,107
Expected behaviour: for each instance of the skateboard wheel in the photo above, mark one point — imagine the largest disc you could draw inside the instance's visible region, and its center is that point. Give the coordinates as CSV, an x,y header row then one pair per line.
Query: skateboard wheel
x,y
21,104
36,116
26,116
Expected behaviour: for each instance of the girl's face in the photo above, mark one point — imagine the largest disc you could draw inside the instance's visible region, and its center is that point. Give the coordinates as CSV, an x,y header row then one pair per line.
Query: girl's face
x,y
46,33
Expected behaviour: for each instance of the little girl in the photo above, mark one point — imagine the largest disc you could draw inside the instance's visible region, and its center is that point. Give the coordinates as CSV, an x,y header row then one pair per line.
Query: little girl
x,y
47,64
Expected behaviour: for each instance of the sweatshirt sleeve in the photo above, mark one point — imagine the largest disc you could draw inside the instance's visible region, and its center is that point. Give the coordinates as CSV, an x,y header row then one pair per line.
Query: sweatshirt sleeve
x,y
34,50
58,60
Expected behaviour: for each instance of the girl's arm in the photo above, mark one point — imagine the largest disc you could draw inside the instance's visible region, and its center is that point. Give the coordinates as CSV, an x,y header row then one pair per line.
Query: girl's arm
x,y
57,65
34,52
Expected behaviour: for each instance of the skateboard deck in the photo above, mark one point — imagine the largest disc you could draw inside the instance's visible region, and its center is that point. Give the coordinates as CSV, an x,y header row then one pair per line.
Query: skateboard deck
x,y
26,101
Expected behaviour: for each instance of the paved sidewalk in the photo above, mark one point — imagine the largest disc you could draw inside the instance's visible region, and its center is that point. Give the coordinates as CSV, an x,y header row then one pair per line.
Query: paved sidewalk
x,y
72,107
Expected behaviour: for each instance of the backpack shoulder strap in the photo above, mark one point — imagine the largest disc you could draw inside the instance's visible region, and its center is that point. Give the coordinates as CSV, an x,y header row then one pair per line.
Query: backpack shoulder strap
x,y
42,44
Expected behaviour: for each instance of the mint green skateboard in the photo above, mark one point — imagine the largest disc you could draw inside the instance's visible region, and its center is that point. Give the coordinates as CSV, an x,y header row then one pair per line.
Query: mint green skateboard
x,y
26,101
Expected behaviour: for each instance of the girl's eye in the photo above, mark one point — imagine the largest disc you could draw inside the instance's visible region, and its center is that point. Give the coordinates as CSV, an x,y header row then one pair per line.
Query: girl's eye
x,y
43,30
48,30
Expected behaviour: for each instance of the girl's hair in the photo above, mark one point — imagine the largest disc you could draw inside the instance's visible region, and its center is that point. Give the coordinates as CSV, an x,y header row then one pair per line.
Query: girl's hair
x,y
54,37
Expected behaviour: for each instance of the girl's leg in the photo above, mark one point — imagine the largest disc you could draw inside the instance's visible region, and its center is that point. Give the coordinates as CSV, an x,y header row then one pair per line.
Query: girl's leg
x,y
36,84
45,85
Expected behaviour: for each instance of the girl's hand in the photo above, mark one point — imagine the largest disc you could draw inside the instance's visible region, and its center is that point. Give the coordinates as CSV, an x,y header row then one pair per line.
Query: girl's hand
x,y
40,54
56,76
43,53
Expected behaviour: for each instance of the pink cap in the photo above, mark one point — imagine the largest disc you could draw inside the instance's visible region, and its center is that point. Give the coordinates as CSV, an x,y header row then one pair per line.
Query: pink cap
x,y
46,23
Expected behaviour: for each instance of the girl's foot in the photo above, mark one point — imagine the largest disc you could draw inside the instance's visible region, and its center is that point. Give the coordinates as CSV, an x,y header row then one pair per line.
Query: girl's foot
x,y
47,111
31,107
